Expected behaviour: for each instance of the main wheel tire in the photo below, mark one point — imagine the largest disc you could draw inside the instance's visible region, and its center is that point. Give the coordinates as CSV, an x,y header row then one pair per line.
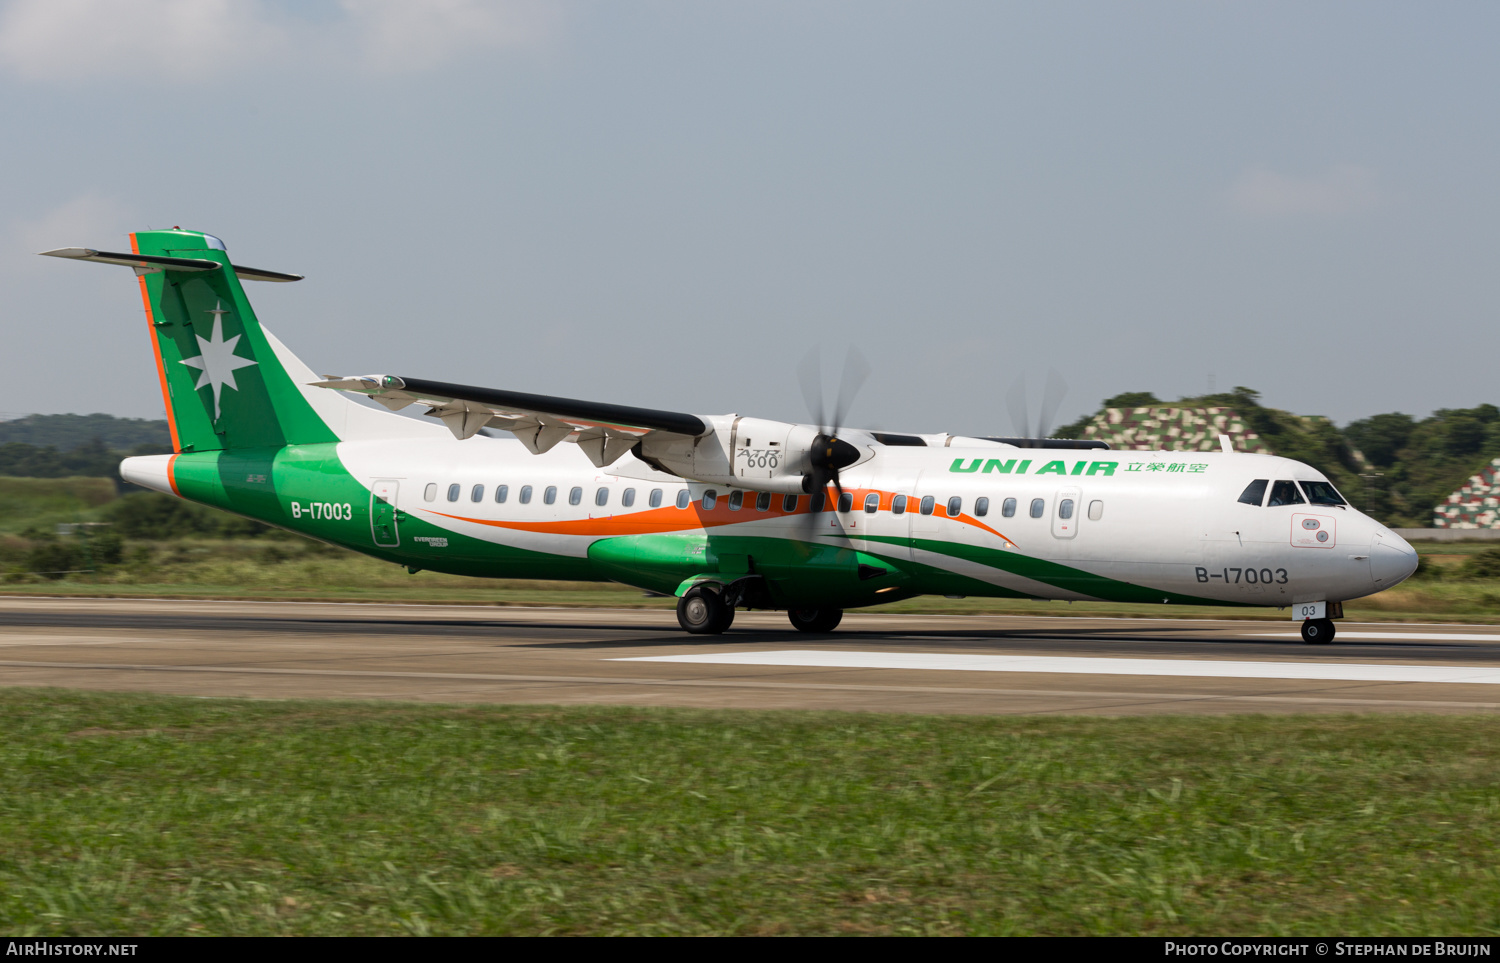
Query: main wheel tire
x,y
1317,631
701,612
815,620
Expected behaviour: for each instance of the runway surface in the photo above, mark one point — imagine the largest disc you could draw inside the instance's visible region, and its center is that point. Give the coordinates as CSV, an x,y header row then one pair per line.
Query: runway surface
x,y
896,663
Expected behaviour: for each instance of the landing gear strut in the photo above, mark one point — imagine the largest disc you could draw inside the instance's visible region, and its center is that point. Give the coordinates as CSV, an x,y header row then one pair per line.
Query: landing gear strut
x,y
701,611
815,620
1317,631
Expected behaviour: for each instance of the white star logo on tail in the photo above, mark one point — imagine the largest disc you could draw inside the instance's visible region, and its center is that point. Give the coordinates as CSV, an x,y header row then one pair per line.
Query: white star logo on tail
x,y
218,362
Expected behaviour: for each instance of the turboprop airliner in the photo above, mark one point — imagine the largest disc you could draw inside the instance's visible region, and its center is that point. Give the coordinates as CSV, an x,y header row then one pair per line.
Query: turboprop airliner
x,y
723,512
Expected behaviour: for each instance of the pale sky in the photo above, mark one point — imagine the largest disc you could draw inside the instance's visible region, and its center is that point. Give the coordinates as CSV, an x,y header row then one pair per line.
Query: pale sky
x,y
668,203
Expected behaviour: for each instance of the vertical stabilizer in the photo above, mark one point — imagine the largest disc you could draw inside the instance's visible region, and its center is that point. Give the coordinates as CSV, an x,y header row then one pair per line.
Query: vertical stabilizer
x,y
223,383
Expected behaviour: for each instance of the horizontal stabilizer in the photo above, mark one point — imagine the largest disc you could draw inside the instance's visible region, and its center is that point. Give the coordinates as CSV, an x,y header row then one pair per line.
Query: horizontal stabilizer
x,y
150,263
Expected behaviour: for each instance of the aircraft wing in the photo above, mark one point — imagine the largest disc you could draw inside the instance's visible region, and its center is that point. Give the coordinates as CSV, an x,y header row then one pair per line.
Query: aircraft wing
x,y
603,431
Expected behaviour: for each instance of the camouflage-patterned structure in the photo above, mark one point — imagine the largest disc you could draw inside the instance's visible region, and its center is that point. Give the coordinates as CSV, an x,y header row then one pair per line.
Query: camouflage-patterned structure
x,y
1476,505
1174,429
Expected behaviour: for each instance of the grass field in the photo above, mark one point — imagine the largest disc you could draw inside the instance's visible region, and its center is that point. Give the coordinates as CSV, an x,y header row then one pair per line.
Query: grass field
x,y
27,502
148,814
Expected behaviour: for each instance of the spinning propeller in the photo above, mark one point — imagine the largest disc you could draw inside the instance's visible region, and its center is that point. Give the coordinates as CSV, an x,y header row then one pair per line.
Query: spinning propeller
x,y
829,454
1052,398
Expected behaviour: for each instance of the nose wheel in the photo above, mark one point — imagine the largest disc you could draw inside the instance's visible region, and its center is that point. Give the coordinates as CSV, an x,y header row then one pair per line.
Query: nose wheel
x,y
1317,631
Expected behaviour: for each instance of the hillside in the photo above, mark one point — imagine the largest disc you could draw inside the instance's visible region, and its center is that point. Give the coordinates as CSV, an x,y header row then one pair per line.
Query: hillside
x,y
71,432
1394,466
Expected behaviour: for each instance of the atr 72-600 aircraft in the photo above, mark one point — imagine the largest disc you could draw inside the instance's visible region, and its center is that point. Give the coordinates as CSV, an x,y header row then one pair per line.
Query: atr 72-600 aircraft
x,y
722,511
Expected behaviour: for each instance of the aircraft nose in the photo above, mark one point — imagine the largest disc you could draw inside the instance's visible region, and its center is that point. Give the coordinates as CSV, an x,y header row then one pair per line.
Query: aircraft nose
x,y
1392,559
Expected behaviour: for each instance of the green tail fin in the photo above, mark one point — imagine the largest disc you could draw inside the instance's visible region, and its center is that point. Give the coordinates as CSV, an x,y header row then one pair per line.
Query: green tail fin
x,y
222,381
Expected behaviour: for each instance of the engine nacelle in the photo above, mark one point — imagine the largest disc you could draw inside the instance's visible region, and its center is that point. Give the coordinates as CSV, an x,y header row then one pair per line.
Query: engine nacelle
x,y
751,453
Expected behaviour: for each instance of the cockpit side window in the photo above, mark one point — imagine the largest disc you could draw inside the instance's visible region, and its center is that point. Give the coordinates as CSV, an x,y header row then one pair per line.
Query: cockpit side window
x,y
1284,493
1255,492
1322,493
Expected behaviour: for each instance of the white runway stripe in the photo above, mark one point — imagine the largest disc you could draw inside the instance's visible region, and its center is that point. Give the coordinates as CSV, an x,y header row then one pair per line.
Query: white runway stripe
x,y
1194,668
1411,636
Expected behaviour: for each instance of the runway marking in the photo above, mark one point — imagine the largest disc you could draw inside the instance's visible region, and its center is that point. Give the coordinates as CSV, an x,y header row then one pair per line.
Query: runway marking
x,y
12,639
1418,636
1128,696
1192,668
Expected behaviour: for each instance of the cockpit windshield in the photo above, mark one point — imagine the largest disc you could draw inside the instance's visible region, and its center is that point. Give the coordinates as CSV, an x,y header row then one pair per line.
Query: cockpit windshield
x,y
1255,492
1322,493
1284,493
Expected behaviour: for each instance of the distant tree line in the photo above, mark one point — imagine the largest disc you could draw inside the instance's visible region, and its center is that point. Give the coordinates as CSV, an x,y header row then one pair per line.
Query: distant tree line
x,y
67,433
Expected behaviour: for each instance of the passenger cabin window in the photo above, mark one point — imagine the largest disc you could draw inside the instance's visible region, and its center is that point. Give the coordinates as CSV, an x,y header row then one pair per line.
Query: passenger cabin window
x,y
627,498
1255,492
763,502
927,502
1096,510
550,495
1284,493
1065,508
430,492
1008,508
955,507
789,503
710,499
736,499
981,507
453,491
575,496
525,494
654,499
898,505
476,494
872,502
818,503
502,492
846,501
1322,493
683,498
1038,507
601,497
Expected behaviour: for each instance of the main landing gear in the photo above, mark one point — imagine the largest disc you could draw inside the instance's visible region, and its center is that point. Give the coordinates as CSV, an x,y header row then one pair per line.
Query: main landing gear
x,y
1317,631
815,620
701,611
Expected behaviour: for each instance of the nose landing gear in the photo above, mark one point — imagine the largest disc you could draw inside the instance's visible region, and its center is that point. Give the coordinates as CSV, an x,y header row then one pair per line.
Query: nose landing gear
x,y
1317,631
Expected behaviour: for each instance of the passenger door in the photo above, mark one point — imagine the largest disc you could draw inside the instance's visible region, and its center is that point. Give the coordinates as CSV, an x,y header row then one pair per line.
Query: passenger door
x,y
1066,512
921,526
383,514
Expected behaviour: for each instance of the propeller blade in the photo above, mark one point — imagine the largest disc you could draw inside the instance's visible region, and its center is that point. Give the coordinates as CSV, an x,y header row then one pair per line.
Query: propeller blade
x,y
810,375
856,372
1052,399
1015,401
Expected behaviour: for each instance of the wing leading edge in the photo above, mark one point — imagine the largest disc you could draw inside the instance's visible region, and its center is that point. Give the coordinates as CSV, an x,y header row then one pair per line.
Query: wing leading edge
x,y
604,431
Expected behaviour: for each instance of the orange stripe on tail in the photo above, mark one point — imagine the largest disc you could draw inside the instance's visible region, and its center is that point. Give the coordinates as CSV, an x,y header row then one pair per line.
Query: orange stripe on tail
x,y
161,368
